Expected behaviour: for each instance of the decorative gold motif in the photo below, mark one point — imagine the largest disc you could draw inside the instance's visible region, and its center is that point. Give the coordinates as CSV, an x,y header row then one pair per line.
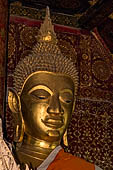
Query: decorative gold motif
x,y
93,2
85,56
92,122
32,13
67,49
101,70
17,3
111,16
11,45
28,36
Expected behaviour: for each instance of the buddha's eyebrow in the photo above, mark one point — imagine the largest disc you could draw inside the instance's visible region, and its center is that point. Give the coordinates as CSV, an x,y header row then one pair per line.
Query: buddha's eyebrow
x,y
67,90
41,87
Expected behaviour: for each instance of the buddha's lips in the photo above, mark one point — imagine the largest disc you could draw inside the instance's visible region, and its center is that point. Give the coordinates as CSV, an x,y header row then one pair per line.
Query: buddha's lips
x,y
53,122
54,118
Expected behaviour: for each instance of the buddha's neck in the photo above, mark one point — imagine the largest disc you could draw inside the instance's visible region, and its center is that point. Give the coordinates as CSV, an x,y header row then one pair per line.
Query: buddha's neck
x,y
34,151
38,143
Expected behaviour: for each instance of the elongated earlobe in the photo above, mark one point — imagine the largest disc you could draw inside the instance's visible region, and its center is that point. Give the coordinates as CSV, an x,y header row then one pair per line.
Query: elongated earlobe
x,y
15,107
65,141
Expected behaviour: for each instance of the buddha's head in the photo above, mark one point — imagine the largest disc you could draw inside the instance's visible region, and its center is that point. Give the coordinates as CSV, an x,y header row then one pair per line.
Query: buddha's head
x,y
45,89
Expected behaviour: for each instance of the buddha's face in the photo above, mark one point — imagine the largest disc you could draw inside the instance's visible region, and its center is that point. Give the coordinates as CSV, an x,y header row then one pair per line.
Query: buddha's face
x,y
46,103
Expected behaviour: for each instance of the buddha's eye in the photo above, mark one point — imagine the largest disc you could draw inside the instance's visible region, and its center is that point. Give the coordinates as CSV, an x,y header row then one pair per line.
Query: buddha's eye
x,y
40,94
68,101
66,97
41,97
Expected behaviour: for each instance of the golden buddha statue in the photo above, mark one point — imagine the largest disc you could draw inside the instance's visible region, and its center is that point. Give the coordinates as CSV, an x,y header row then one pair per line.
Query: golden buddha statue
x,y
42,101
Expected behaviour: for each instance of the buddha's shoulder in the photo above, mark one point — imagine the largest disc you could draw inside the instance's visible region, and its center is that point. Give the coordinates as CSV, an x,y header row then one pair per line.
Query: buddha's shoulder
x,y
66,161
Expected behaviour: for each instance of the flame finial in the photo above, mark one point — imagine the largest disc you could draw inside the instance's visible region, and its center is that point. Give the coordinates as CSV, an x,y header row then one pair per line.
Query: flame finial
x,y
46,32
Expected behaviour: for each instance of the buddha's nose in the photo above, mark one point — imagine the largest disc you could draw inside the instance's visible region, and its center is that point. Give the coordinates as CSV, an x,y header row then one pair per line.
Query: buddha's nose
x,y
55,105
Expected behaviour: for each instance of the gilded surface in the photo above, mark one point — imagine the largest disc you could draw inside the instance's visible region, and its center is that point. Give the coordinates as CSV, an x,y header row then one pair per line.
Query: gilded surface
x,y
90,131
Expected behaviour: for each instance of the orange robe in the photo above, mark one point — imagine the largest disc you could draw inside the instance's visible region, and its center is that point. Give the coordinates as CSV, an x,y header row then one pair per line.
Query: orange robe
x,y
66,161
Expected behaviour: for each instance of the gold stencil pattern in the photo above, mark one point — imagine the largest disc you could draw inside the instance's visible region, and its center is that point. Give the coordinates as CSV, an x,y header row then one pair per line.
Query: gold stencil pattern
x,y
101,70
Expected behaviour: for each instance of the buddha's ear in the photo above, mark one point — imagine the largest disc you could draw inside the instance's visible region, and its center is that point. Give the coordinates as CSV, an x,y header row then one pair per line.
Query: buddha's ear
x,y
15,107
13,101
74,102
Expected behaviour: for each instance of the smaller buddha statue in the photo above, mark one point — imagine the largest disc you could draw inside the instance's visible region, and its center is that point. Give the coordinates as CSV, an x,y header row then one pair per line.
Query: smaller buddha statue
x,y
42,102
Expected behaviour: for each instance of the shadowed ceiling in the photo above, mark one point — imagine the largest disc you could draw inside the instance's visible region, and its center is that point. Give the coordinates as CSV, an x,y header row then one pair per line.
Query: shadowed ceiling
x,y
89,13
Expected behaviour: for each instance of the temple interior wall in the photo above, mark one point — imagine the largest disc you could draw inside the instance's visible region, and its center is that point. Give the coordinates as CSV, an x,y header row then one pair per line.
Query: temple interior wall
x,y
90,130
